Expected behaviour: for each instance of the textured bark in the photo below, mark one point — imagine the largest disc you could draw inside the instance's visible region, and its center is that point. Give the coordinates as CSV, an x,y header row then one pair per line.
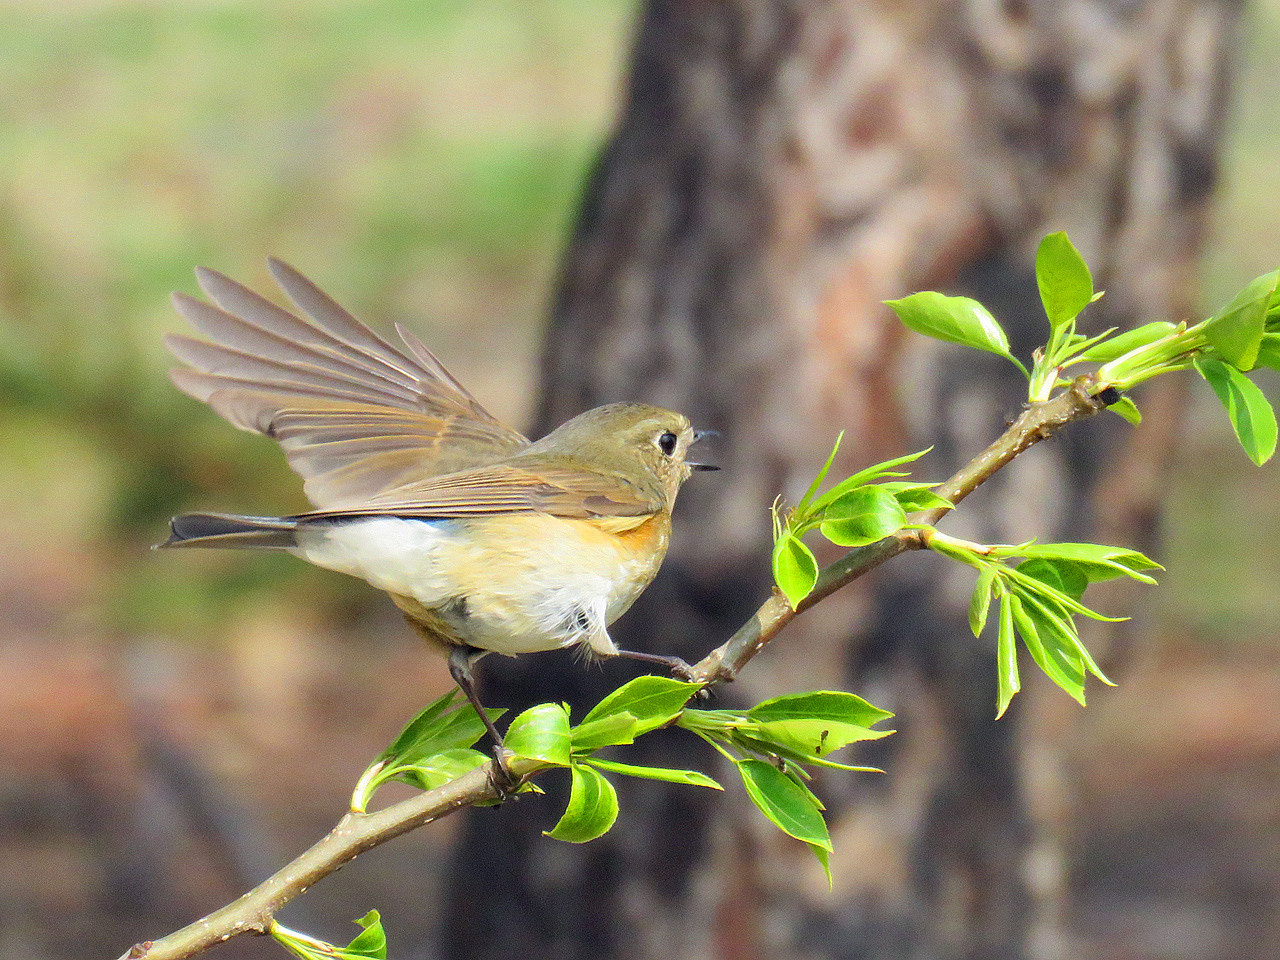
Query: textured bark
x,y
779,170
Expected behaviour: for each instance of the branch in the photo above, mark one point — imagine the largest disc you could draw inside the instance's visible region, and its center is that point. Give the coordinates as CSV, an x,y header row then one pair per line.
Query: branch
x,y
358,832
1039,421
354,834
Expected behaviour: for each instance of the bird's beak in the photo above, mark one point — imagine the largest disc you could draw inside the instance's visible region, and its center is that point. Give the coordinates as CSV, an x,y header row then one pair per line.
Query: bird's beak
x,y
698,435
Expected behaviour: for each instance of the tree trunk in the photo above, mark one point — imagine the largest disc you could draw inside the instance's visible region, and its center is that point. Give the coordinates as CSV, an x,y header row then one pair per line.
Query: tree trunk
x,y
779,170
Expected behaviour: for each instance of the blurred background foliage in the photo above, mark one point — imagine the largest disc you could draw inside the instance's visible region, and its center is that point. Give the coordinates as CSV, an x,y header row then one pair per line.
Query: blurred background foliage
x,y
419,159
422,161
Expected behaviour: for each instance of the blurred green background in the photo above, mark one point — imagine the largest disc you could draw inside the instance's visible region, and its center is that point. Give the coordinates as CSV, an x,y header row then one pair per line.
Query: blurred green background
x,y
421,160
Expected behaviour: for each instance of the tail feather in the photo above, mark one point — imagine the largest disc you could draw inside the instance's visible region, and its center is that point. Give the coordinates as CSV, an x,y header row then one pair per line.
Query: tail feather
x,y
230,530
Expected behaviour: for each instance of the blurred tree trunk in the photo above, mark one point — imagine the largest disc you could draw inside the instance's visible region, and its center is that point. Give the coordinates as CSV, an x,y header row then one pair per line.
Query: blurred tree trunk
x,y
779,170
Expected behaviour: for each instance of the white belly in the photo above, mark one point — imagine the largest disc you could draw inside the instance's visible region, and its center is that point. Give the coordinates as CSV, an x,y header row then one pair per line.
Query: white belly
x,y
518,593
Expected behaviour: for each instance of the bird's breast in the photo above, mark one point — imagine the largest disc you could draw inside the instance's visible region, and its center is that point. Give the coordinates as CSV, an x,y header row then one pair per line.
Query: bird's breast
x,y
513,583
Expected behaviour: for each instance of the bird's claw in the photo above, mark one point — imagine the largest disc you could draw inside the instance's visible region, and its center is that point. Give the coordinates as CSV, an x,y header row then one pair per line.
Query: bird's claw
x,y
681,670
504,782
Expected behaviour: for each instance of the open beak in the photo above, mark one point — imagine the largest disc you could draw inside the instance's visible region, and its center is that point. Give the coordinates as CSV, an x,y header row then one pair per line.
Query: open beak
x,y
698,435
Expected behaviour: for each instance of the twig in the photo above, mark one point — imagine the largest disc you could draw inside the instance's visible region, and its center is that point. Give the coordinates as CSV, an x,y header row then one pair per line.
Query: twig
x,y
354,834
1038,422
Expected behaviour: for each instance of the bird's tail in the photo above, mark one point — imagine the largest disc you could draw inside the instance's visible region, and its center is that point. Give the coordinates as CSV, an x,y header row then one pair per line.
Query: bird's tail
x,y
229,530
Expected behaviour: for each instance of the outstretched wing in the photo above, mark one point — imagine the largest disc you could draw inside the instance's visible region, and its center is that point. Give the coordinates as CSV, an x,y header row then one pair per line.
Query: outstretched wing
x,y
516,488
355,415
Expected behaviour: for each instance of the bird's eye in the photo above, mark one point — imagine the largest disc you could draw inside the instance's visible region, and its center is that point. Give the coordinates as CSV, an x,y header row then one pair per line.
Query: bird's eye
x,y
667,443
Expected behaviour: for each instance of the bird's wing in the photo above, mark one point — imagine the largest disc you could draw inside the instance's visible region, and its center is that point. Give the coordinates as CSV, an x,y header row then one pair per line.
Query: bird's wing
x,y
356,416
513,488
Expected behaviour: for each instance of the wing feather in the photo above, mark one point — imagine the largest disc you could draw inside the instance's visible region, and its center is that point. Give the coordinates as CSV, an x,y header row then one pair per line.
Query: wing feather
x,y
316,372
357,416
288,343
334,320
512,488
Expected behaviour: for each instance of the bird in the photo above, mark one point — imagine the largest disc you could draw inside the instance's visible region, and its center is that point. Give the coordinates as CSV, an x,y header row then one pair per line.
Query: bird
x,y
485,540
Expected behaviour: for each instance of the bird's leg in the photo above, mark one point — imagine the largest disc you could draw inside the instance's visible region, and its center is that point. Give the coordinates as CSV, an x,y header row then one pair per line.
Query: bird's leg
x,y
679,668
461,660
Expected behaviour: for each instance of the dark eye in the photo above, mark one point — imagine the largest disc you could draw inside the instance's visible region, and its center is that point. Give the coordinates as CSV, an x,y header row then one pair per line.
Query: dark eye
x,y
667,443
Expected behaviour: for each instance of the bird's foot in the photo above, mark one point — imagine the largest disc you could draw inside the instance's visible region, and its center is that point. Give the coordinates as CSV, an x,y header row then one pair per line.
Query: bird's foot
x,y
502,779
679,668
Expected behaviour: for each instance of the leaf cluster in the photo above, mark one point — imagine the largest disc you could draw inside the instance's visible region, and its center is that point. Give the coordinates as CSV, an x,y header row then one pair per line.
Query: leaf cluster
x,y
770,745
432,749
857,511
1238,339
1038,598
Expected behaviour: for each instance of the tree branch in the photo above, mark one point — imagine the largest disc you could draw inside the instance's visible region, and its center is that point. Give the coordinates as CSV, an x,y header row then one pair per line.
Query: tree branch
x,y
354,834
358,832
1038,422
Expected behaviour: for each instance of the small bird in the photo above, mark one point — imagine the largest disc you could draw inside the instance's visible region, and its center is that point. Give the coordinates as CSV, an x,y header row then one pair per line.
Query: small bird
x,y
486,541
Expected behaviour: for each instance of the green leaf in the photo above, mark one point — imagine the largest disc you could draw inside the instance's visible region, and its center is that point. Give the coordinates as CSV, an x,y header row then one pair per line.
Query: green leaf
x,y
1062,605
1236,330
800,758
437,728
915,496
862,516
1066,286
1064,575
1057,629
300,945
869,475
615,729
810,738
795,570
790,727
1126,409
1251,415
1122,343
430,750
957,550
1064,669
1080,344
413,730
814,724
822,475
435,770
541,733
1007,680
1098,561
824,858
980,601
791,807
953,319
592,809
1269,351
692,778
371,942
835,706
652,701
